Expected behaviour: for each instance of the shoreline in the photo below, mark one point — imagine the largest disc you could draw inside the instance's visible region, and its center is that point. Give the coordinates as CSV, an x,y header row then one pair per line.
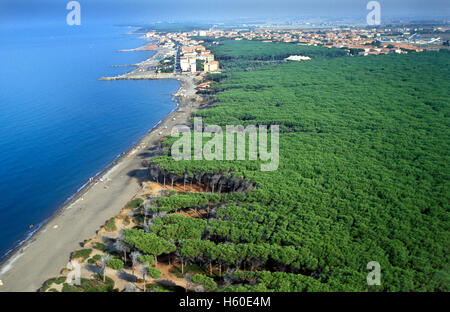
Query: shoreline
x,y
129,160
82,190
71,199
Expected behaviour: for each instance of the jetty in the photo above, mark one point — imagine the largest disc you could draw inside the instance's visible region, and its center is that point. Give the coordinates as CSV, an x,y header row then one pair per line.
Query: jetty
x,y
145,75
145,69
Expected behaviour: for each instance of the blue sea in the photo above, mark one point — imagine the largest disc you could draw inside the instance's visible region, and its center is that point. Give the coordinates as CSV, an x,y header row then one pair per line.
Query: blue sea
x,y
60,125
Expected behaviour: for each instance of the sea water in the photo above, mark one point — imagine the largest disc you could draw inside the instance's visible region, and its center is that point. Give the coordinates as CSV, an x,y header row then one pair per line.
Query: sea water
x,y
60,125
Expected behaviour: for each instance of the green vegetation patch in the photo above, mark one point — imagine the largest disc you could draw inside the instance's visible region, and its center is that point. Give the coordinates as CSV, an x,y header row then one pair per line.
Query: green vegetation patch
x,y
154,273
100,246
189,268
81,254
259,50
183,201
91,285
207,282
263,281
94,259
147,259
115,264
134,203
50,282
251,54
166,65
148,243
363,173
110,225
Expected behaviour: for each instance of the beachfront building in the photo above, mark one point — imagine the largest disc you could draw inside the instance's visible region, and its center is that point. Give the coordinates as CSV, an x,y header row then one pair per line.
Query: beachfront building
x,y
193,67
184,64
206,56
191,49
211,67
188,64
193,53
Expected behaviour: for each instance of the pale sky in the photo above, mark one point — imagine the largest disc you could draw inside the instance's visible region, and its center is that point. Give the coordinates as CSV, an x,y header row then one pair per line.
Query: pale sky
x,y
201,10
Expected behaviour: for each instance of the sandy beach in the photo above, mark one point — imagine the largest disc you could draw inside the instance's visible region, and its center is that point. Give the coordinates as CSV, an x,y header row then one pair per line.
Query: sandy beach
x,y
48,251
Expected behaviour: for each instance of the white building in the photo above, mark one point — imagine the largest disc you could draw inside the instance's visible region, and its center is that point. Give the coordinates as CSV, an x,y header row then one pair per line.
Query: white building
x,y
298,58
188,64
184,64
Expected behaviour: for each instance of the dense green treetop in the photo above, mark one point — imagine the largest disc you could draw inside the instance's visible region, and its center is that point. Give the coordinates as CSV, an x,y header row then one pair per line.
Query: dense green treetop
x,y
363,174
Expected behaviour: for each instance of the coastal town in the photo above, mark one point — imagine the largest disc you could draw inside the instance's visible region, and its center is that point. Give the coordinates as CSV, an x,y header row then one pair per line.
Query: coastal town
x,y
176,54
366,41
145,206
185,53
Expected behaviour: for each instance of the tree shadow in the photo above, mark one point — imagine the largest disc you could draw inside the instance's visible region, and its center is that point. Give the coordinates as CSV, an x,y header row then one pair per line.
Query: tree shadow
x,y
127,277
94,268
169,285
141,175
150,152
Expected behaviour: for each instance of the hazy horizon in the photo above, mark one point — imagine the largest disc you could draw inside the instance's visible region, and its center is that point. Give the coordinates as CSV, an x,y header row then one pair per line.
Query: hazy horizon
x,y
141,11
